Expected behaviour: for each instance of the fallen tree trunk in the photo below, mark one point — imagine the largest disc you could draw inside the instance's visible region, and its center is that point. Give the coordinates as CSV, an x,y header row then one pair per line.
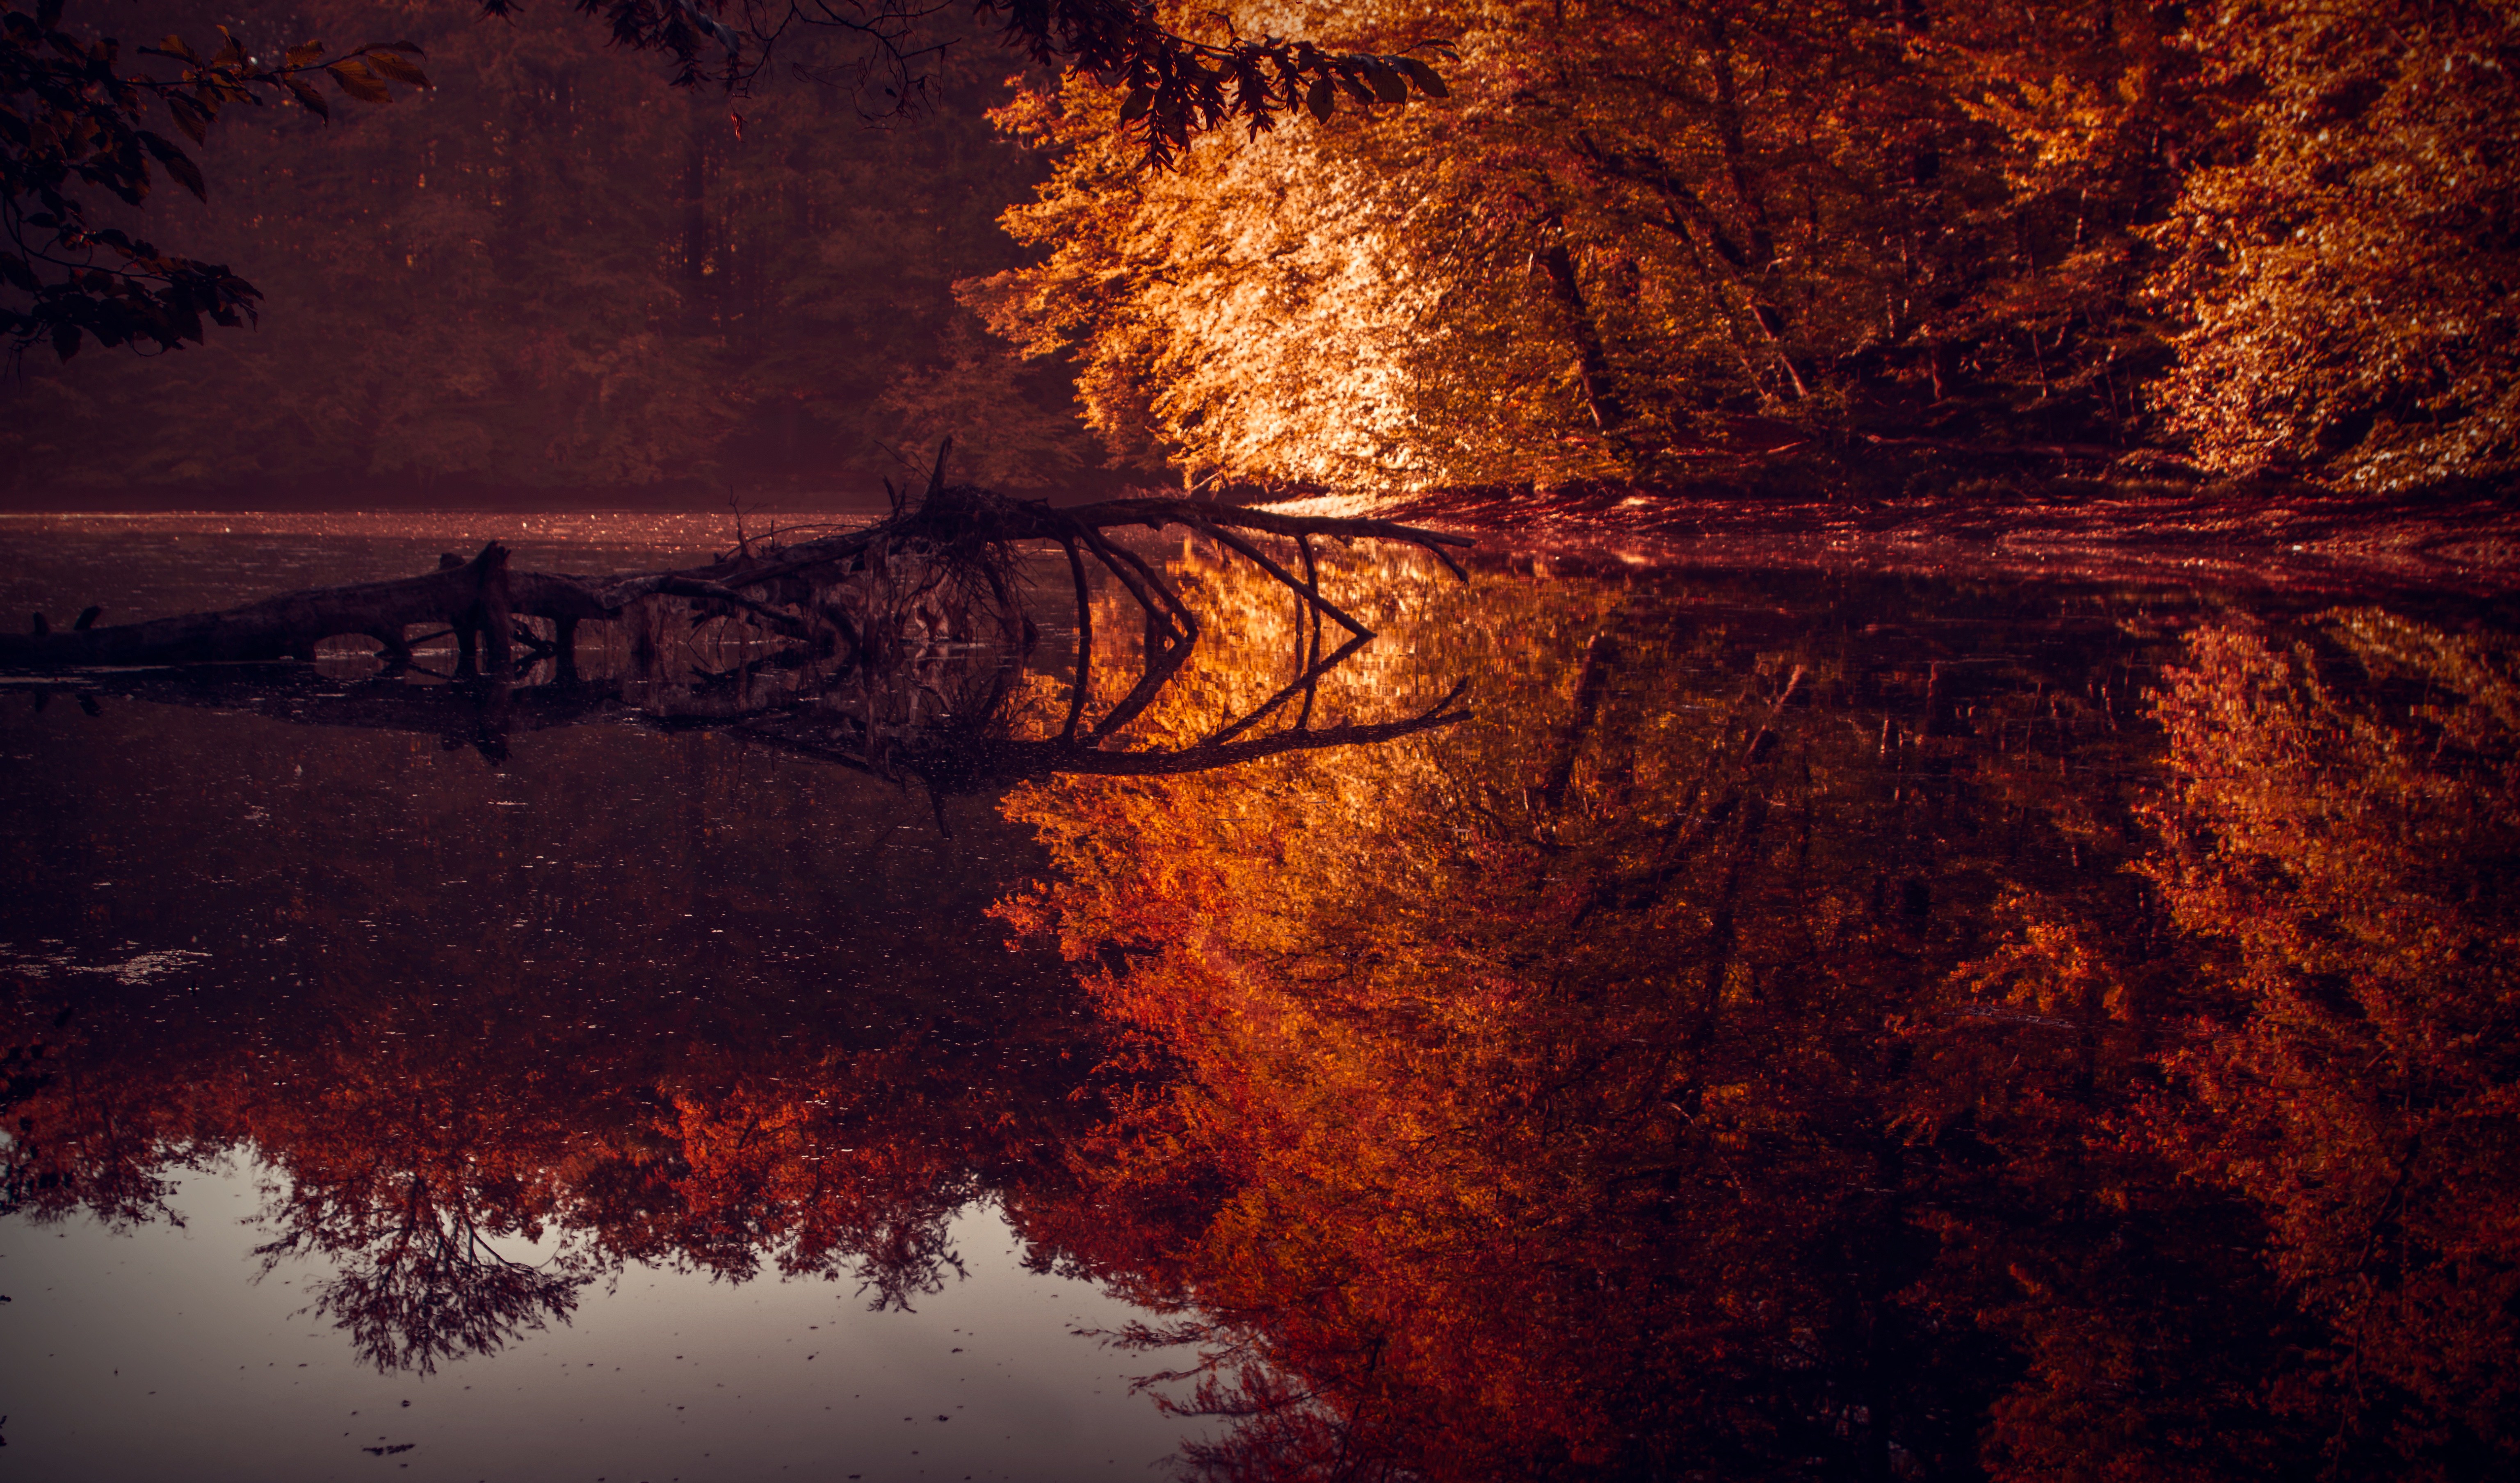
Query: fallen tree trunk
x,y
896,639
475,598
945,567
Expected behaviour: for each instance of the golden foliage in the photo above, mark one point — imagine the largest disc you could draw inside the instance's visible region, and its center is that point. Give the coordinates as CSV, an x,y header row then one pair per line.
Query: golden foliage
x,y
1625,228
2342,261
2344,825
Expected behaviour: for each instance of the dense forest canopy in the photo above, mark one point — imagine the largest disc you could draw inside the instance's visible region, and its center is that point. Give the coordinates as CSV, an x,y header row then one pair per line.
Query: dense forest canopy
x,y
1445,244
2277,233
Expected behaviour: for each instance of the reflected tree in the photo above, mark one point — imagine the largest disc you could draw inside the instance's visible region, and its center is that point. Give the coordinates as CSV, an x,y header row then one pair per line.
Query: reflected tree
x,y
418,1277
1770,1034
2343,831
421,1136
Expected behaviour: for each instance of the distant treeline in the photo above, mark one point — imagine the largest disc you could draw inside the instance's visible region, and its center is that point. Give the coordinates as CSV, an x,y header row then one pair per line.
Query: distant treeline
x,y
552,272
2265,236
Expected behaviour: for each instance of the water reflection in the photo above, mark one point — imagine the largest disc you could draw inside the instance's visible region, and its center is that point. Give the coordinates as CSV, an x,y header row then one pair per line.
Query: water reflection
x,y
669,987
958,716
2341,836
418,1275
790,1114
1791,1028
1825,1043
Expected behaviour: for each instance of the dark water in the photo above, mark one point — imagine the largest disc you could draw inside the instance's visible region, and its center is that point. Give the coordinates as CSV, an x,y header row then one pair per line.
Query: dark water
x,y
1691,1024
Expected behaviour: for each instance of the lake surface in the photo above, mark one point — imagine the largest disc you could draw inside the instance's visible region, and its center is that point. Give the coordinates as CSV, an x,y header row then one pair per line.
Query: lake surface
x,y
1621,1021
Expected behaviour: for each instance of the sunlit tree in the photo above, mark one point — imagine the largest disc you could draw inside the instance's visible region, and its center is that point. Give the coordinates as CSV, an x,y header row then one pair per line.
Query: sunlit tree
x,y
2342,259
1624,230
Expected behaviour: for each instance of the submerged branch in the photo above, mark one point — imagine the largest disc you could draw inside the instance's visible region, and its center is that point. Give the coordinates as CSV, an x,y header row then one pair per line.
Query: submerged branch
x,y
886,648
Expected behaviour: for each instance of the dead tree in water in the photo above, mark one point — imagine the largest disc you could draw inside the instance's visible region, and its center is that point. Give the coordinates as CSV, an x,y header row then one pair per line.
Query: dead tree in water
x,y
943,566
877,626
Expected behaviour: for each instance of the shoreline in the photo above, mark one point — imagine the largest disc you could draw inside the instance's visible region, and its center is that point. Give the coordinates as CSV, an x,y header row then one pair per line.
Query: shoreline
x,y
2292,538
2244,535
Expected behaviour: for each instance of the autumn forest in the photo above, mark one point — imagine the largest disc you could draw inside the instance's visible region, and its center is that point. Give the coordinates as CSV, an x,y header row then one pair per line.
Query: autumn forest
x,y
1625,243
1573,741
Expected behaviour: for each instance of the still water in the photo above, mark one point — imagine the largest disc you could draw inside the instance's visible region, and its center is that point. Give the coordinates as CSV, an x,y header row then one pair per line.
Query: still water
x,y
1621,1023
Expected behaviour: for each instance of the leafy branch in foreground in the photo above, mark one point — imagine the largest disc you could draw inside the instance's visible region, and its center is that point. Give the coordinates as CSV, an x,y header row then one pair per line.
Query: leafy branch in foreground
x,y
72,113
1176,86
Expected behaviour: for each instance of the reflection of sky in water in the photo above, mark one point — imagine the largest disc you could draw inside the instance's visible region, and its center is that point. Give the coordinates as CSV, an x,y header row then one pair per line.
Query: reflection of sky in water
x,y
628,913
153,1353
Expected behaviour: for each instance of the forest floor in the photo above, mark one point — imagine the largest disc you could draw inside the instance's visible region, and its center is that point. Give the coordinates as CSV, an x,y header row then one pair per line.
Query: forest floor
x,y
2265,535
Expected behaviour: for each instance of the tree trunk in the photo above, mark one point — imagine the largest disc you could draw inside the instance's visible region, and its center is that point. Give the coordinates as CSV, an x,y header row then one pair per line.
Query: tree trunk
x,y
1592,360
962,537
479,600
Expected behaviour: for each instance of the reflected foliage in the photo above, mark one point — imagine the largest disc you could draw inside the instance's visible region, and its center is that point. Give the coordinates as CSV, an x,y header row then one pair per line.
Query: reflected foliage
x,y
711,1011
1787,1028
414,1282
448,1171
2344,828
1784,1046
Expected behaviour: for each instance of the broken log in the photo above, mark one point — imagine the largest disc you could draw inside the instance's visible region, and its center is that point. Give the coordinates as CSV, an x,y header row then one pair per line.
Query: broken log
x,y
472,597
942,570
